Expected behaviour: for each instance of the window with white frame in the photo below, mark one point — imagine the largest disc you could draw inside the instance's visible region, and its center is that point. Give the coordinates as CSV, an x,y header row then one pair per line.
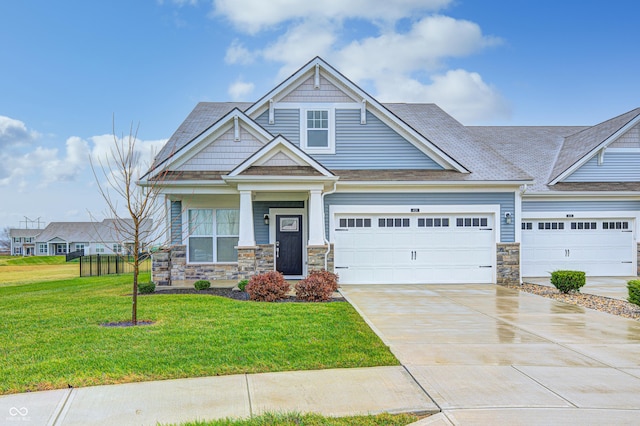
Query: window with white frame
x,y
117,248
99,248
28,239
79,246
17,239
43,248
213,235
317,130
17,250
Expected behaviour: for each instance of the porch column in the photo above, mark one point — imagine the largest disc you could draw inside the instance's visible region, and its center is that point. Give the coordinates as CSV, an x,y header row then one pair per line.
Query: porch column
x,y
246,237
316,227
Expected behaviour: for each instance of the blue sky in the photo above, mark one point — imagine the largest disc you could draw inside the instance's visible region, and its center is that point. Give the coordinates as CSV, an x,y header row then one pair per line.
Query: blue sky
x,y
67,67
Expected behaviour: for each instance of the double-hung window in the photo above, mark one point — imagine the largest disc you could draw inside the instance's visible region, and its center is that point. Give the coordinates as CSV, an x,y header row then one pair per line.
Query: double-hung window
x,y
213,235
43,248
317,130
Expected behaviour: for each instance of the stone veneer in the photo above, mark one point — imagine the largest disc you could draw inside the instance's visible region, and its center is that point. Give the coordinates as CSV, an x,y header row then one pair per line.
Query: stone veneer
x,y
315,258
508,263
170,266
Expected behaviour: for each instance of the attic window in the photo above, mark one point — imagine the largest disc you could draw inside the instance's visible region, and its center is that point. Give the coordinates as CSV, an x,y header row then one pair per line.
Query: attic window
x,y
317,131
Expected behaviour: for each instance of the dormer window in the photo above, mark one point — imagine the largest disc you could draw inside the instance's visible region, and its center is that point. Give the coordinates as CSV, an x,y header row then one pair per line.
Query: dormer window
x,y
317,131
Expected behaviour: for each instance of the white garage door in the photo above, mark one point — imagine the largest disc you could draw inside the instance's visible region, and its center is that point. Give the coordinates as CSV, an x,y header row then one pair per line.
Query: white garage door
x,y
599,247
414,249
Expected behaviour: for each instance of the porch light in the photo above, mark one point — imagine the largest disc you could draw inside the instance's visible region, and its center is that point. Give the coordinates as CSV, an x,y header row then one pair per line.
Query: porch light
x,y
508,218
266,219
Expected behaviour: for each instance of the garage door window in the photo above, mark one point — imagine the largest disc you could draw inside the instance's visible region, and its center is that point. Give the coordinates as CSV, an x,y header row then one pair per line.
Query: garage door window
x,y
584,225
355,222
550,226
433,222
615,225
471,222
527,226
393,222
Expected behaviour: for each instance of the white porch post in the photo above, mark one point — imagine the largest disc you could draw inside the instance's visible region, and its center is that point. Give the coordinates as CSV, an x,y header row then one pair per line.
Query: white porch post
x,y
316,227
246,237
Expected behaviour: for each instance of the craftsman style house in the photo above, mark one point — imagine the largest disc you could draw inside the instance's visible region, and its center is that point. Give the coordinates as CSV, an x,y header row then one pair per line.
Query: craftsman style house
x,y
318,174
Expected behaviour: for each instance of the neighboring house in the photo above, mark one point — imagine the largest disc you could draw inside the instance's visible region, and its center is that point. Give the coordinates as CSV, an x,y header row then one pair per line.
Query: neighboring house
x,y
58,238
23,241
318,174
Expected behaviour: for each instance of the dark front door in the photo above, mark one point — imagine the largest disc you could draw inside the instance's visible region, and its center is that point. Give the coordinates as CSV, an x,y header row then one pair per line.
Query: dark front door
x,y
289,244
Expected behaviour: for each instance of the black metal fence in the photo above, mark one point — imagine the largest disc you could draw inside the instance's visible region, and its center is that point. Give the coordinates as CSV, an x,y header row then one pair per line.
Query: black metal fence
x,y
108,264
74,255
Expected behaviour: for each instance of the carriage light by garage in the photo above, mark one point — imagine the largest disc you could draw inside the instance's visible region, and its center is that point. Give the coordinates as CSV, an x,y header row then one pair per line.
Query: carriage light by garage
x,y
508,218
266,219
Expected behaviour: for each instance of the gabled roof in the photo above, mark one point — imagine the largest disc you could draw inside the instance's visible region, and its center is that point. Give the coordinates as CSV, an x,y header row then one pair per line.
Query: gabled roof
x,y
204,116
531,148
578,148
17,232
477,155
280,145
420,140
109,230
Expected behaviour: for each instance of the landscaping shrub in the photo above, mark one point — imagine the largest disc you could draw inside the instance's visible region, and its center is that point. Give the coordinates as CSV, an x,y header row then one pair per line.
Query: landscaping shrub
x,y
202,284
267,287
568,281
242,284
146,288
634,291
317,287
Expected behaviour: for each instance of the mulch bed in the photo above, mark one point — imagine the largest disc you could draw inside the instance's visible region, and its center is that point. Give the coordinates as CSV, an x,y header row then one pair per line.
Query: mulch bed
x,y
228,293
600,303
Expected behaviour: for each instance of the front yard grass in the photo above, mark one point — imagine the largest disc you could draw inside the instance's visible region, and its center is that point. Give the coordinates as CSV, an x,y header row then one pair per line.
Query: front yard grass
x,y
21,270
295,419
52,336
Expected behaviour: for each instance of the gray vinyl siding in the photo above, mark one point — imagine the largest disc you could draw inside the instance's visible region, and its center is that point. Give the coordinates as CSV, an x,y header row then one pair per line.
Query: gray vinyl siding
x,y
286,123
260,208
506,200
176,222
358,146
617,167
566,207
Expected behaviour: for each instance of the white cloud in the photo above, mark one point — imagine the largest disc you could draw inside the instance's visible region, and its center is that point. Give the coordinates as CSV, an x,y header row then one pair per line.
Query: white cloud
x,y
238,54
14,132
239,90
252,16
460,93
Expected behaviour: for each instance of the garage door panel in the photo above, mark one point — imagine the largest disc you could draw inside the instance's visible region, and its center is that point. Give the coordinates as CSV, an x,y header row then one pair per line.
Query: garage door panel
x,y
402,252
587,245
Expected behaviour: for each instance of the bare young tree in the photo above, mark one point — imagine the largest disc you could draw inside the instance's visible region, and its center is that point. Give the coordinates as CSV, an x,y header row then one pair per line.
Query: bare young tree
x,y
135,209
5,239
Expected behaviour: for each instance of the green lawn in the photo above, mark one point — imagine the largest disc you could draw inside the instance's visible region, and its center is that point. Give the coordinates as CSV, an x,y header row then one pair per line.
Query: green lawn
x,y
295,419
51,336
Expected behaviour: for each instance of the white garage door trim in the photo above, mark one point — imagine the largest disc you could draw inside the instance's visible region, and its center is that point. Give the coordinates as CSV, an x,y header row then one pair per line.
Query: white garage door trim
x,y
581,252
401,270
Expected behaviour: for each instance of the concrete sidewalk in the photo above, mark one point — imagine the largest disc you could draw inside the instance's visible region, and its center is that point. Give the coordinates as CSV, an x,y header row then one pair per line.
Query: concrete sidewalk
x,y
336,392
611,287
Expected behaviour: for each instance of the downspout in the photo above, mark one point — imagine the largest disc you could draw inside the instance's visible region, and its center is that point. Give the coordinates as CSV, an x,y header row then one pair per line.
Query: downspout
x,y
324,233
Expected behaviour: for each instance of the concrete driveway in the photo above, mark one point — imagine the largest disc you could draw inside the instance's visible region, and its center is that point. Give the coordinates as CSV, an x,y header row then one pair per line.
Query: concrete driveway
x,y
492,355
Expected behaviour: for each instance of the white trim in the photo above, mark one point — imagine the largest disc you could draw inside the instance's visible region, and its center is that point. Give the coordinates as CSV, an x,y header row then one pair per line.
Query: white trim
x,y
273,212
331,129
589,155
614,214
623,150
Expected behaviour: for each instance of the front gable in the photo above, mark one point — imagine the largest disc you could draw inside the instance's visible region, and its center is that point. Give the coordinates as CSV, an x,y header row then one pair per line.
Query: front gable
x,y
223,146
362,133
612,152
280,158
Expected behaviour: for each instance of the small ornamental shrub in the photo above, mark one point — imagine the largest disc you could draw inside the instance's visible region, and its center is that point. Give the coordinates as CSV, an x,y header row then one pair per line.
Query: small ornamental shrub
x,y
267,287
634,291
568,281
317,287
242,284
202,284
146,288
